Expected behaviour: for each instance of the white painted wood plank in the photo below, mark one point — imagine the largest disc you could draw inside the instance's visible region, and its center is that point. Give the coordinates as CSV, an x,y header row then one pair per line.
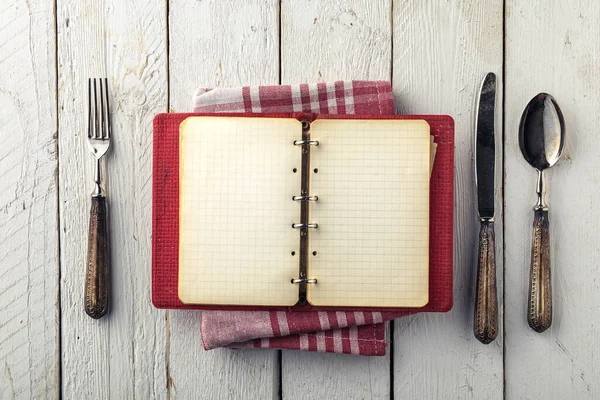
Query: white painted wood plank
x,y
310,375
328,41
121,355
220,373
212,44
442,51
554,48
221,44
29,341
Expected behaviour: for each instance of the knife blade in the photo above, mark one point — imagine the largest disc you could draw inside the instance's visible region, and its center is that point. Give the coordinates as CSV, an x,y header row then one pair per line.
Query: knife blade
x,y
486,299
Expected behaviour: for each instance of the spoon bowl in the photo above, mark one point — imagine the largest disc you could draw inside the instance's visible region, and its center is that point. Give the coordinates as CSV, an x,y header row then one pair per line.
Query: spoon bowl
x,y
542,132
541,139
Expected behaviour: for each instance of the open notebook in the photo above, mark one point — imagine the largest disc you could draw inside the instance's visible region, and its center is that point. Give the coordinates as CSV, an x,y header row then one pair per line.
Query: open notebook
x,y
279,212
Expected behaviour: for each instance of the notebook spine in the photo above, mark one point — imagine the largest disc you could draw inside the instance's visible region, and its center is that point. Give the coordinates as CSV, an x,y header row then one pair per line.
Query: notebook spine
x,y
304,225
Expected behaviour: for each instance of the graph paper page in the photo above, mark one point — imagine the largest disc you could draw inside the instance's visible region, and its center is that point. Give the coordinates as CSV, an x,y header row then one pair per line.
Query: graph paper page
x,y
236,211
371,247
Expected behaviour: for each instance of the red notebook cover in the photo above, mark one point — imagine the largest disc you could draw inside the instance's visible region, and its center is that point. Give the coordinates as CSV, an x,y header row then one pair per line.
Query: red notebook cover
x,y
165,211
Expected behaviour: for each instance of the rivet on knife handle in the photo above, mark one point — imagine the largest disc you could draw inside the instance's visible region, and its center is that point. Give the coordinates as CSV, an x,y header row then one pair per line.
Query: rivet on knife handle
x,y
539,310
486,300
96,277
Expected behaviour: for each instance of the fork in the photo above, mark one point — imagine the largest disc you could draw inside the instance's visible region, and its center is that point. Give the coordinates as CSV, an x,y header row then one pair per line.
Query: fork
x,y
98,140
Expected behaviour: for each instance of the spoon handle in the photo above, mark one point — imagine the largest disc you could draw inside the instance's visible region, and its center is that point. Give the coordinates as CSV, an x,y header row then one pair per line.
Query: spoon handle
x,y
486,300
539,310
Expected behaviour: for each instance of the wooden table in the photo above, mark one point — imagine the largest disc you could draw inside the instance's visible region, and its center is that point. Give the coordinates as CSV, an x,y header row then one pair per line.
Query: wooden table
x,y
155,53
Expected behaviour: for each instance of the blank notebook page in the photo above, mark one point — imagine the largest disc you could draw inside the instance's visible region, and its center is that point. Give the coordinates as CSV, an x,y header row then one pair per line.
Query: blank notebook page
x,y
372,244
236,211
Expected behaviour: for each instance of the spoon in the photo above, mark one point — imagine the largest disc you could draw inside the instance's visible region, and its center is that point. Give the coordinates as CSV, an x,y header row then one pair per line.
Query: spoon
x,y
541,139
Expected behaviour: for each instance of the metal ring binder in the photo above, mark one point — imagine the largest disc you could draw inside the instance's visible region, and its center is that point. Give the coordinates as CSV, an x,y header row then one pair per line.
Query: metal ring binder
x,y
301,225
310,142
304,281
305,198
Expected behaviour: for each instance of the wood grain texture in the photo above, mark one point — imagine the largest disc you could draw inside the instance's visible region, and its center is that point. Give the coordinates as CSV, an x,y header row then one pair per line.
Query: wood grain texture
x,y
29,333
309,375
554,48
220,373
212,44
328,41
121,355
442,51
221,44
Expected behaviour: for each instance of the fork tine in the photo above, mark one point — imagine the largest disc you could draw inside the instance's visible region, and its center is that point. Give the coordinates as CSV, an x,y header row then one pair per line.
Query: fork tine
x,y
108,125
102,122
89,108
96,120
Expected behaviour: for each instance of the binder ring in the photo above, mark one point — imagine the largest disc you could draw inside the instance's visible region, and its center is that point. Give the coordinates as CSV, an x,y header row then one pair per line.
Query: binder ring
x,y
304,281
297,226
310,142
305,198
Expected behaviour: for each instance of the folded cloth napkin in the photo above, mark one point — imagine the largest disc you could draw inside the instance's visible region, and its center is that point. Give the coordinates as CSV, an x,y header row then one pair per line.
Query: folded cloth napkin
x,y
336,332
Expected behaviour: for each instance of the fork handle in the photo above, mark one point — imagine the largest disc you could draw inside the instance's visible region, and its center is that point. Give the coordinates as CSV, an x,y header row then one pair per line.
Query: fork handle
x,y
96,277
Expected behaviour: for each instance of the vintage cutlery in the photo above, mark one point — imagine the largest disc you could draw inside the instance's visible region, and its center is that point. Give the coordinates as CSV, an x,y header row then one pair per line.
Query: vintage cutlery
x,y
541,139
486,301
99,134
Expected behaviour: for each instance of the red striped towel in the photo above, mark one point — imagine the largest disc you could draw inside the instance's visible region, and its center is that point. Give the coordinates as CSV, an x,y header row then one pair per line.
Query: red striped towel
x,y
335,332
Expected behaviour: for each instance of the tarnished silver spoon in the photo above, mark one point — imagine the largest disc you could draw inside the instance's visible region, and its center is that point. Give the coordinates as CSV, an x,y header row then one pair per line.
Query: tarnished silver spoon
x,y
541,139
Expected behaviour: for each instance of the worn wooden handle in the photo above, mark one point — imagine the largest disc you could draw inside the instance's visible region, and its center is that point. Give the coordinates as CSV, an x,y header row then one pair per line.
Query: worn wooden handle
x,y
539,310
486,300
96,276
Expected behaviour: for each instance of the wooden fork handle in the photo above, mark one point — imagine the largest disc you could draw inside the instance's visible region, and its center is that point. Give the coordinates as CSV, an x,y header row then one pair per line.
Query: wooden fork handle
x,y
96,276
486,299
539,310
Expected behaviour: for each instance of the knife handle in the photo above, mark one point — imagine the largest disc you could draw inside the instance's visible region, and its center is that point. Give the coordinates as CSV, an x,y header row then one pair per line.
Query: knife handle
x,y
486,300
96,277
539,311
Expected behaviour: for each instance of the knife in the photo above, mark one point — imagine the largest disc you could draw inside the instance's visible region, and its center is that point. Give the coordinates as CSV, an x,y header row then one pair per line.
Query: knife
x,y
486,300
